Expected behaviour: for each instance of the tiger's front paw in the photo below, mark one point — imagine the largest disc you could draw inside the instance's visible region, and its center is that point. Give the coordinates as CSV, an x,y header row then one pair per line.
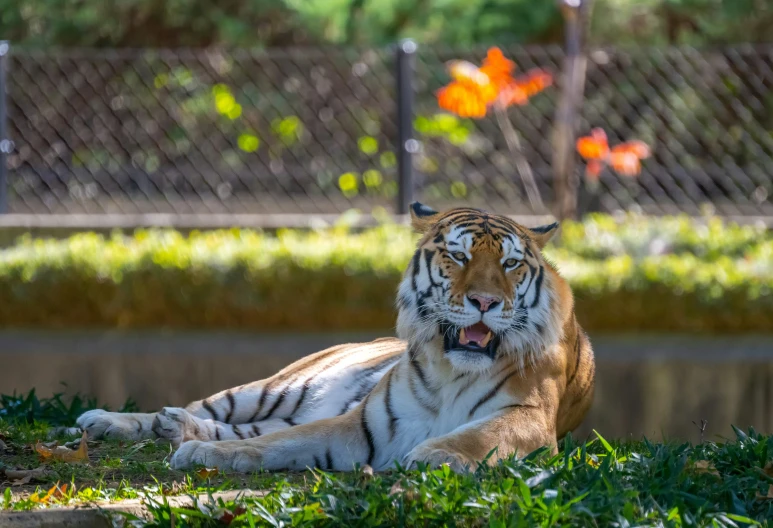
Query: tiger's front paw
x,y
176,425
100,424
235,456
436,457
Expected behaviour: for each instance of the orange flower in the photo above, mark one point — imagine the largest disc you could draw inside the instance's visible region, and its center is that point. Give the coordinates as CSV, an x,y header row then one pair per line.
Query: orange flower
x,y
624,158
463,100
638,148
518,91
595,146
625,163
593,169
497,68
473,89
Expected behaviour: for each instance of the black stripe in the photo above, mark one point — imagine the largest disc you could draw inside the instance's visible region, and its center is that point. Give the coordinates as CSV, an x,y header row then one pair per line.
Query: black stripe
x,y
419,371
588,385
577,352
403,301
217,432
368,434
289,421
511,406
532,270
307,383
585,391
538,287
317,462
415,270
366,386
238,432
304,390
388,404
277,403
362,392
210,409
261,401
493,392
255,430
429,408
329,459
231,406
428,260
139,425
292,377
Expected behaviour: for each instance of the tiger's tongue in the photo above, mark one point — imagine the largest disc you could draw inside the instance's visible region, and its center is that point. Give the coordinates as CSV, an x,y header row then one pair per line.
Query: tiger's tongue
x,y
477,333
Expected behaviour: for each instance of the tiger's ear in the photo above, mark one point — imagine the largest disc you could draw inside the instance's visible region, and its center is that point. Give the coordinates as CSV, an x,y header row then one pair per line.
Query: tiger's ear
x,y
422,217
542,234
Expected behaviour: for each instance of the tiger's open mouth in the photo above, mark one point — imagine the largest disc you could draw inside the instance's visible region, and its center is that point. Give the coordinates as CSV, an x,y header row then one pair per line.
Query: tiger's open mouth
x,y
476,338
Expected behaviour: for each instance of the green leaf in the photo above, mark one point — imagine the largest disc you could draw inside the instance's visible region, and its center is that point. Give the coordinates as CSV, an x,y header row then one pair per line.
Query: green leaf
x,y
525,492
606,444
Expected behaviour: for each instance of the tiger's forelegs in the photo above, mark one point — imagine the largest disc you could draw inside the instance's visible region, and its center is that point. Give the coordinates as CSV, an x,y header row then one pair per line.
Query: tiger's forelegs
x,y
515,430
336,443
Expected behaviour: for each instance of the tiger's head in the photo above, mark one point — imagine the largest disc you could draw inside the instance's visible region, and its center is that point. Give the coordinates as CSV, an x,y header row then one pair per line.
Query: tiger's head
x,y
478,287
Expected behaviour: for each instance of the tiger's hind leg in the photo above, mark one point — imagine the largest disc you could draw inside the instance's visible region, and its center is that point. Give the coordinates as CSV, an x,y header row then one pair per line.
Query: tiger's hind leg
x,y
318,386
289,398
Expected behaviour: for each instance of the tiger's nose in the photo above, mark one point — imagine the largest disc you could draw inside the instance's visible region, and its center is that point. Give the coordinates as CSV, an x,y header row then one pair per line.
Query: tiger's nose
x,y
484,303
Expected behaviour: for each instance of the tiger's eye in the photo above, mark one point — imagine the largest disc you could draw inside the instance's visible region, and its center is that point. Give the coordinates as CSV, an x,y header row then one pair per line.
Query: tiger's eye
x,y
460,256
511,263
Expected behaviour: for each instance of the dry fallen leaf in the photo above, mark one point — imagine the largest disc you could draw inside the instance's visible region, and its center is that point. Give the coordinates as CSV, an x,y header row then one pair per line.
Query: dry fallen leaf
x,y
769,496
19,477
704,466
367,472
206,473
396,488
55,493
228,515
61,453
21,482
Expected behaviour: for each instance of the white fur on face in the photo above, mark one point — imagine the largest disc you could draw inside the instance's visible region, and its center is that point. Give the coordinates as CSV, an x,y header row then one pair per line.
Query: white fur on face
x,y
466,361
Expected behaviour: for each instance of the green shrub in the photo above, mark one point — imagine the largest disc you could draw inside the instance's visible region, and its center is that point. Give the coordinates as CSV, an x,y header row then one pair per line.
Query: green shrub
x,y
714,279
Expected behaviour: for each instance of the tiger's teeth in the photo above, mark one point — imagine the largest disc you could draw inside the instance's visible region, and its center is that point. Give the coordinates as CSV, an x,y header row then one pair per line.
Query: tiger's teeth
x,y
463,338
486,339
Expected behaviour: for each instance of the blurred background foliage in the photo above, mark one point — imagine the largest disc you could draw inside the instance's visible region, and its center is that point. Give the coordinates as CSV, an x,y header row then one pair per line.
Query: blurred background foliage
x,y
712,275
271,23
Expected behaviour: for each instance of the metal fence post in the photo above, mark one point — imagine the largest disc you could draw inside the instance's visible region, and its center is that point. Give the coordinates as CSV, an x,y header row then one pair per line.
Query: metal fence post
x,y
406,144
5,143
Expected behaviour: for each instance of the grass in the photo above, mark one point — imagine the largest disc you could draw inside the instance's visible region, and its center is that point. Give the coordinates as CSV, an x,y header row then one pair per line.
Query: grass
x,y
593,483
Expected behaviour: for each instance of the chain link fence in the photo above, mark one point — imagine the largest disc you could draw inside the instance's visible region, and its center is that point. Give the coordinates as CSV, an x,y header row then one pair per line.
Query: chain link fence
x,y
315,131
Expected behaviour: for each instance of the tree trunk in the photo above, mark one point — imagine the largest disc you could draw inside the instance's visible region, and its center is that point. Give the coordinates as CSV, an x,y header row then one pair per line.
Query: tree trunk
x,y
576,16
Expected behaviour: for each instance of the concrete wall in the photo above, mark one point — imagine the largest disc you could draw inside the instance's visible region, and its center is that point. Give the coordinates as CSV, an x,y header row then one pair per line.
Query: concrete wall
x,y
646,385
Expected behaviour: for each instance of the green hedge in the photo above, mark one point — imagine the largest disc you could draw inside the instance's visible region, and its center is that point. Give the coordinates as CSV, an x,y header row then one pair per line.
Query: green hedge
x,y
669,274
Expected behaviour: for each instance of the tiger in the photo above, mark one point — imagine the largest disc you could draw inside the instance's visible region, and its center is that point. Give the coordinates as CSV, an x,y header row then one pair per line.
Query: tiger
x,y
489,362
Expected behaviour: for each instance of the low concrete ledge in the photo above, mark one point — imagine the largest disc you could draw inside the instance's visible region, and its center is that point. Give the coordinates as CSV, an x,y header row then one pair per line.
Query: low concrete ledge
x,y
101,515
653,385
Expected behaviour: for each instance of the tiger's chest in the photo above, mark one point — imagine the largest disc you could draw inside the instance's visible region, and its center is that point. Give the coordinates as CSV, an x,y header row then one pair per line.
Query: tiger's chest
x,y
420,411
